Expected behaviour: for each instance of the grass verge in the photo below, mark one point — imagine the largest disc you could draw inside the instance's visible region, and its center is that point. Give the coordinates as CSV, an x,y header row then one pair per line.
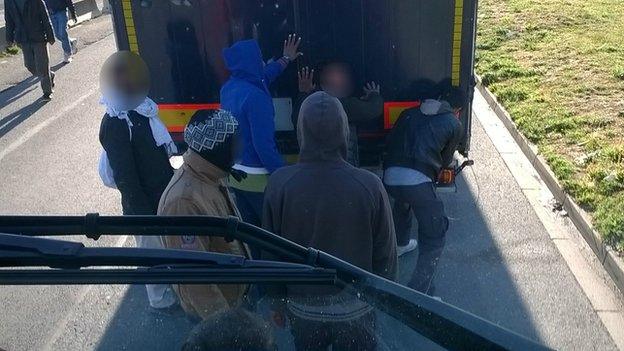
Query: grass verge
x,y
9,51
558,68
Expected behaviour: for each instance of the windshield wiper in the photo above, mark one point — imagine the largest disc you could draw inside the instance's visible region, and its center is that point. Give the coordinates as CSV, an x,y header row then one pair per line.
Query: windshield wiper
x,y
445,325
154,265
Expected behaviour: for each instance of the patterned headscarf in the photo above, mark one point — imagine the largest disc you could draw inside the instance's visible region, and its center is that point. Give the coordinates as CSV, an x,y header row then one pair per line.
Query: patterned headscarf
x,y
212,135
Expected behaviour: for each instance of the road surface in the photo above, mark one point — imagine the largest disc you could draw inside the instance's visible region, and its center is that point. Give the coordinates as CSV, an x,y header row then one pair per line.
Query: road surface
x,y
499,262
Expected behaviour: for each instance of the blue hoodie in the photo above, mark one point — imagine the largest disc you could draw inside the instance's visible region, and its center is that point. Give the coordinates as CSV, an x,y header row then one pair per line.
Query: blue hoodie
x,y
246,95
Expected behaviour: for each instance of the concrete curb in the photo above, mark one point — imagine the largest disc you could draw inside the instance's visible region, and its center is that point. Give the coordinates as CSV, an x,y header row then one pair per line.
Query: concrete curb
x,y
612,263
86,10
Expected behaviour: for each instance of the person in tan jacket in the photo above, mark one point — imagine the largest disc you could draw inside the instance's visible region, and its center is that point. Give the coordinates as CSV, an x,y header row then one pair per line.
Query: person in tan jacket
x,y
199,188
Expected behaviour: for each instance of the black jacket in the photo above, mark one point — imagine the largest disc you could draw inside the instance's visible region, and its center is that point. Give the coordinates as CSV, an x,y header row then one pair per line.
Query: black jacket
x,y
32,25
424,139
61,5
140,168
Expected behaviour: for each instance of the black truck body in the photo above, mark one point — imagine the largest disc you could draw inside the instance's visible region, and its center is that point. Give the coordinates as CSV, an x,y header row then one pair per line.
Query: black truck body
x,y
397,43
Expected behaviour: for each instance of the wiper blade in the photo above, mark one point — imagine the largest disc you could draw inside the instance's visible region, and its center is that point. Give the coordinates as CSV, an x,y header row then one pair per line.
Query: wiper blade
x,y
300,274
156,266
21,251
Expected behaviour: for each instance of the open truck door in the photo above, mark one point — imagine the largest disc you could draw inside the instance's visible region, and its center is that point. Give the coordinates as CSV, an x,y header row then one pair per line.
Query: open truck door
x,y
395,42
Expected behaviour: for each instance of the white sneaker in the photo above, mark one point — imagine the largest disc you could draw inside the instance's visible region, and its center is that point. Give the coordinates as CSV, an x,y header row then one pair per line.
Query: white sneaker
x,y
67,58
411,246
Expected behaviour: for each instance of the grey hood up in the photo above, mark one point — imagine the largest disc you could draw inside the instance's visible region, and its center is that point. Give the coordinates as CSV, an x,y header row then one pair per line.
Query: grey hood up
x,y
322,136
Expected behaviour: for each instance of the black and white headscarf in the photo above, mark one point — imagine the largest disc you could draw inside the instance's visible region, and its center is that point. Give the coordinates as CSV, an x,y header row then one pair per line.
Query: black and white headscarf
x,y
205,134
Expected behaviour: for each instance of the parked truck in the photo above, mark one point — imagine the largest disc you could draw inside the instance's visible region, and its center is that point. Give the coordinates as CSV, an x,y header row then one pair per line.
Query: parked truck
x,y
397,43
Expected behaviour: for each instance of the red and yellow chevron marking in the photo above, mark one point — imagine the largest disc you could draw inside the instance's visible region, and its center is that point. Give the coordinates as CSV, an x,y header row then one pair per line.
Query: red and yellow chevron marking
x,y
457,41
126,5
177,116
392,111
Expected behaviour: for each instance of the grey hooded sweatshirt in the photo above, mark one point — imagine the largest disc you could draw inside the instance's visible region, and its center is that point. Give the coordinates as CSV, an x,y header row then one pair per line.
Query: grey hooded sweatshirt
x,y
325,203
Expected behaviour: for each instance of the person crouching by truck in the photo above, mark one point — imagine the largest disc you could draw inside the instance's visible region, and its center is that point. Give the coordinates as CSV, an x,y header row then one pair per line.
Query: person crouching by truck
x,y
246,94
326,203
421,143
137,147
336,79
199,188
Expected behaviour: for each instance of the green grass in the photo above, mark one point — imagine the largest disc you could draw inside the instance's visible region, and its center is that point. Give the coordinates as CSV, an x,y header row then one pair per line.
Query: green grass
x,y
558,68
10,50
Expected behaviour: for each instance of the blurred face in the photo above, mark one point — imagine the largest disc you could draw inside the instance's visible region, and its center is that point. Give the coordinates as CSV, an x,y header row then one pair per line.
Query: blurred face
x,y
336,81
124,81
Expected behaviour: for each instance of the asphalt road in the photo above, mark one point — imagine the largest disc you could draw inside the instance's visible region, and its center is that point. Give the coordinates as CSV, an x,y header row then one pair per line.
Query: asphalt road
x,y
499,262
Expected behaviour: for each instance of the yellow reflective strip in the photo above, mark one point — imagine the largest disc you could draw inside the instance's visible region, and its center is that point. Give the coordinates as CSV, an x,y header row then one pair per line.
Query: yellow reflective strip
x,y
457,42
178,117
133,43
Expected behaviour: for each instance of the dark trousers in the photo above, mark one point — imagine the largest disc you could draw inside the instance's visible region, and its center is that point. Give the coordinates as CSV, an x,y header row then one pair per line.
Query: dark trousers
x,y
355,335
37,62
250,205
432,226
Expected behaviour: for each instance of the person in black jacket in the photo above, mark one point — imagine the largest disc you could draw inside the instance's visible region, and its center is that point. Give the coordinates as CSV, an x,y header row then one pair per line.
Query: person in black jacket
x,y
58,15
137,148
28,25
421,143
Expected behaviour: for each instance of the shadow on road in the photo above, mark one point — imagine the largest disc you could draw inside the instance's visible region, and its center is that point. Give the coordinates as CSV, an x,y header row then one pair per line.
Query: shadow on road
x,y
134,327
15,93
12,95
14,119
472,276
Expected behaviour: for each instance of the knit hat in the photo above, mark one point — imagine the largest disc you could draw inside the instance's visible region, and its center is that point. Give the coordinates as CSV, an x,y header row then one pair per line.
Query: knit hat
x,y
213,135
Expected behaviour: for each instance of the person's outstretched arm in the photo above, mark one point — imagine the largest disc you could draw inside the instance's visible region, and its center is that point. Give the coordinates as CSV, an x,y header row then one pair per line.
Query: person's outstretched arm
x,y
274,69
291,53
261,114
115,138
366,108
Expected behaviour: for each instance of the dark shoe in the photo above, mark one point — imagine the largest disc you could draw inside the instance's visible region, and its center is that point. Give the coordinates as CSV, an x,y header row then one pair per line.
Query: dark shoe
x,y
52,79
47,97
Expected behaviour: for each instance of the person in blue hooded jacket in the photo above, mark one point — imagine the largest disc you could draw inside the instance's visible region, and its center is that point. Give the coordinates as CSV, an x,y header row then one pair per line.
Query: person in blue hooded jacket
x,y
246,95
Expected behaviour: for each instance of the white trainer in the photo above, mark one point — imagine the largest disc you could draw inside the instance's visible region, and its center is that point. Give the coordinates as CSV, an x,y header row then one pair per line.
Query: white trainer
x,y
411,246
67,58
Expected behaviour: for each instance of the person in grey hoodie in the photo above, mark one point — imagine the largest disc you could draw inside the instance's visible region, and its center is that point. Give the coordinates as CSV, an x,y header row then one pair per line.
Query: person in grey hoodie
x,y
326,203
421,143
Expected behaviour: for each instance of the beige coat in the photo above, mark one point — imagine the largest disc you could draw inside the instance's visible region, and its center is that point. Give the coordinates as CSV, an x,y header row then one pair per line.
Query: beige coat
x,y
199,188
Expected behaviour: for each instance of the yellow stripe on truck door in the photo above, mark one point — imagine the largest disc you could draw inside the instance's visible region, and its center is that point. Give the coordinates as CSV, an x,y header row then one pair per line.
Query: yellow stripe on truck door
x,y
457,41
130,29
